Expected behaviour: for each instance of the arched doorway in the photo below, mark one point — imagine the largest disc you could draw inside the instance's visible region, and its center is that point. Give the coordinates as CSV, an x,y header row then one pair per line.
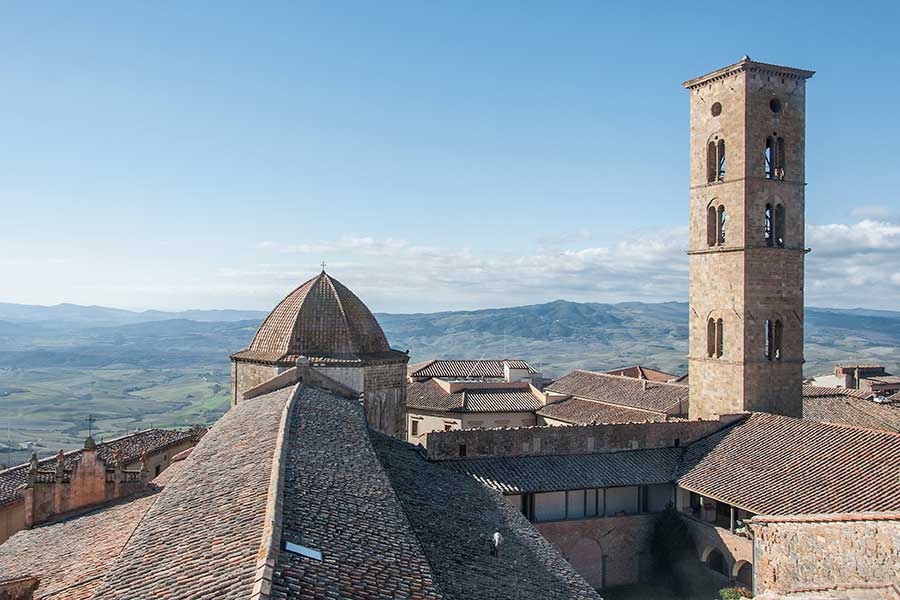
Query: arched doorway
x,y
716,562
743,573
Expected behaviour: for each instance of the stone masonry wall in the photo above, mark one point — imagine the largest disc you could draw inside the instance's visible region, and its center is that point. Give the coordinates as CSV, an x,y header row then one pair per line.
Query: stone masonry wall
x,y
623,541
385,398
246,375
817,552
577,439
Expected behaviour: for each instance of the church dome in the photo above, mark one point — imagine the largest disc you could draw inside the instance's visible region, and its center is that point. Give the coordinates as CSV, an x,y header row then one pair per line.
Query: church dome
x,y
321,318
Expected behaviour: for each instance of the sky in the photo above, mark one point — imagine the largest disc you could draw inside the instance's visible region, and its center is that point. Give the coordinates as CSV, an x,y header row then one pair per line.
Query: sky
x,y
436,155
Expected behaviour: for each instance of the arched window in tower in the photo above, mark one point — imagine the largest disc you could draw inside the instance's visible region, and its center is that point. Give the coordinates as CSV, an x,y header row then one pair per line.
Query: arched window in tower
x,y
774,336
779,158
776,339
711,226
767,228
720,160
774,157
720,225
720,344
710,162
711,337
778,220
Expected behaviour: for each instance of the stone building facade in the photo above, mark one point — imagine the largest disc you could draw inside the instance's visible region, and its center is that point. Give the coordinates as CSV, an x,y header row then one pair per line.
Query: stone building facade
x,y
747,239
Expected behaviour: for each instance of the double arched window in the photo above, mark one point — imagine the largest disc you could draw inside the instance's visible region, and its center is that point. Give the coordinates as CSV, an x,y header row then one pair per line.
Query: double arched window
x,y
774,157
714,338
774,226
715,161
774,335
715,225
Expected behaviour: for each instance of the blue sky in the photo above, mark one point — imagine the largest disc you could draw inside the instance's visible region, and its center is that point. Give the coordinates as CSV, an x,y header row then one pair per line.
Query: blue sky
x,y
436,155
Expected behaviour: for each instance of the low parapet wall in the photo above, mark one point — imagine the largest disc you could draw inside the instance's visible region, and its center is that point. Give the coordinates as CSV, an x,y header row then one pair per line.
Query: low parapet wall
x,y
578,439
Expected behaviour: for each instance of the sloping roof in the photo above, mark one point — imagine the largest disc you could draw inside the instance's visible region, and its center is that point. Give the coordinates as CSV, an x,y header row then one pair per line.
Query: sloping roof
x,y
849,407
521,474
205,529
462,369
587,412
299,465
75,554
71,556
771,464
639,372
454,518
338,500
321,318
625,391
430,395
133,446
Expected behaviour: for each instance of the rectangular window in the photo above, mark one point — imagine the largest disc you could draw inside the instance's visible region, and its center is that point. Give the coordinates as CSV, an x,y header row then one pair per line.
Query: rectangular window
x,y
575,502
462,450
415,428
622,501
550,506
590,503
447,426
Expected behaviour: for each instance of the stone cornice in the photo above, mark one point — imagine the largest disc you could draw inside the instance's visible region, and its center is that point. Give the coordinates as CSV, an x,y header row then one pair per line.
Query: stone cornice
x,y
745,64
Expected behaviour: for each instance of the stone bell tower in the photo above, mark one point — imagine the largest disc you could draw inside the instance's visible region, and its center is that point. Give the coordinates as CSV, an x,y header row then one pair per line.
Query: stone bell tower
x,y
747,239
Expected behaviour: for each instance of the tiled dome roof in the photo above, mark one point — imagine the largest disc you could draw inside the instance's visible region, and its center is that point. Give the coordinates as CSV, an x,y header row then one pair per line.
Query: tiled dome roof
x,y
321,318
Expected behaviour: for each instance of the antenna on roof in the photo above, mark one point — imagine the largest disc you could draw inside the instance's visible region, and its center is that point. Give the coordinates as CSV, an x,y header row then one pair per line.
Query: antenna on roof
x,y
472,370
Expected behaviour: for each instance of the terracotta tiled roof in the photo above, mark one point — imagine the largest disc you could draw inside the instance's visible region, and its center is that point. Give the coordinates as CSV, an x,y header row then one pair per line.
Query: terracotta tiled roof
x,y
639,372
320,318
552,473
299,465
133,447
429,395
771,464
587,412
75,554
70,557
454,517
849,407
337,500
461,369
625,391
201,537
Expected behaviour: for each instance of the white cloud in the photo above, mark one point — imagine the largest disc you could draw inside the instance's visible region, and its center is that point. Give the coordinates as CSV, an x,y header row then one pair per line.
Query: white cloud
x,y
851,265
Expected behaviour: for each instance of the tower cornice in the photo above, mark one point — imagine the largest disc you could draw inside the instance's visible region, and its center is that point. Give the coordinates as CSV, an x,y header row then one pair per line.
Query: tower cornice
x,y
745,64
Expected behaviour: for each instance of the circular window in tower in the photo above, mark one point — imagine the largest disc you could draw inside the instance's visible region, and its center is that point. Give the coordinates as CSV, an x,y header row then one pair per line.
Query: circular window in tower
x,y
716,109
775,105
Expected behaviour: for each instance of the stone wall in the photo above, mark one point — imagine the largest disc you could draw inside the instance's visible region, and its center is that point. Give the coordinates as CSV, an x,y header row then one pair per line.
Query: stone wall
x,y
821,552
577,439
247,375
620,546
385,398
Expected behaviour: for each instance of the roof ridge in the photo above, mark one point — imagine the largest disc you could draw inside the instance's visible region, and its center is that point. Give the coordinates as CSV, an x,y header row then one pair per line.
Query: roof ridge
x,y
271,535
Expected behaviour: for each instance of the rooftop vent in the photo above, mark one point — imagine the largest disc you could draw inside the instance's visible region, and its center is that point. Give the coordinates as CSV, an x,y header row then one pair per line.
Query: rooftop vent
x,y
303,551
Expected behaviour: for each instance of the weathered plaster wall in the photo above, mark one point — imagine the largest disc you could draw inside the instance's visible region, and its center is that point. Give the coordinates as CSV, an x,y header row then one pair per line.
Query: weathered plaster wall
x,y
12,519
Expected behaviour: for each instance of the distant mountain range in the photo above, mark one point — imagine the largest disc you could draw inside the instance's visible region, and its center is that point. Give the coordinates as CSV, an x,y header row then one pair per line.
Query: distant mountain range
x,y
557,336
59,364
